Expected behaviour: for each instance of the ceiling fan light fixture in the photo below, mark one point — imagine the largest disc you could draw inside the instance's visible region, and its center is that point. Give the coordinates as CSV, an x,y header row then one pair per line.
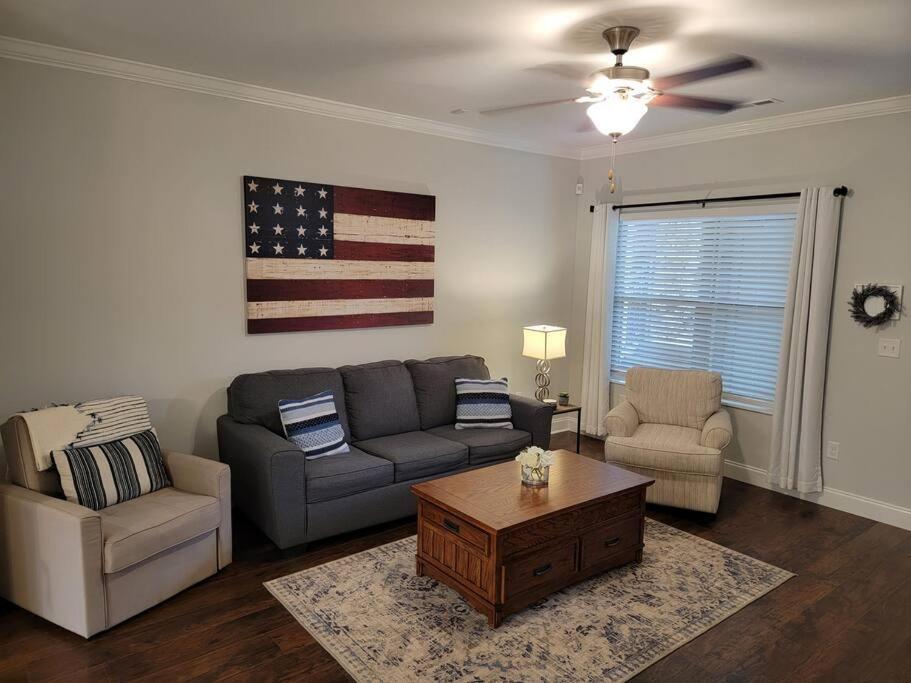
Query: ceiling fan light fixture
x,y
616,116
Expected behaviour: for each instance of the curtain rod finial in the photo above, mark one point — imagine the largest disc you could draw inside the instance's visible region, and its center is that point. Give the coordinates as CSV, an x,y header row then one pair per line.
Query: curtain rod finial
x,y
841,191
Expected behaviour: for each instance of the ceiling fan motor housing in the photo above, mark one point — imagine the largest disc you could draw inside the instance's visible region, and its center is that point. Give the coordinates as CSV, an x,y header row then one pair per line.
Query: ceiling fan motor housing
x,y
627,73
620,38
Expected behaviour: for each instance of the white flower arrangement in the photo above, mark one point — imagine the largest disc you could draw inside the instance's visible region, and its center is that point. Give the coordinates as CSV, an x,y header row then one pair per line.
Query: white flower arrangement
x,y
535,457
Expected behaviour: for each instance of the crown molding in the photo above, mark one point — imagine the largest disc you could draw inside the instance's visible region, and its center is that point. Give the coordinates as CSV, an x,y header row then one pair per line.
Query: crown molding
x,y
771,124
77,60
65,58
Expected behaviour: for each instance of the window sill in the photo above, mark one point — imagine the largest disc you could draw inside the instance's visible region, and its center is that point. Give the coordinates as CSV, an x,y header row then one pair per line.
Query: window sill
x,y
730,401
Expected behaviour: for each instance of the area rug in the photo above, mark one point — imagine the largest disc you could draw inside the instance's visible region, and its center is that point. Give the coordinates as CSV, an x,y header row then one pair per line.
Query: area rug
x,y
382,623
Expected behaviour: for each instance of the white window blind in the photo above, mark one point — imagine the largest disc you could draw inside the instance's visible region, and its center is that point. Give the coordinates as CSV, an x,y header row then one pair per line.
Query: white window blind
x,y
704,290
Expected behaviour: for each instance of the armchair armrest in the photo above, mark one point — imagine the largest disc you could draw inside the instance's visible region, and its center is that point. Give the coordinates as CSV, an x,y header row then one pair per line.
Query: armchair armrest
x,y
622,420
533,416
193,474
717,431
268,473
51,552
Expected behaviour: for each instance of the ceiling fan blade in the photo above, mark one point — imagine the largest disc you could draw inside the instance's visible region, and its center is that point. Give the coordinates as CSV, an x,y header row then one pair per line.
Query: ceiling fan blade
x,y
713,70
529,105
687,102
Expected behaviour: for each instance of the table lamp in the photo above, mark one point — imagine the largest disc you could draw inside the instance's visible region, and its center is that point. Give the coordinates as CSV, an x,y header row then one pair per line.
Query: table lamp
x,y
544,342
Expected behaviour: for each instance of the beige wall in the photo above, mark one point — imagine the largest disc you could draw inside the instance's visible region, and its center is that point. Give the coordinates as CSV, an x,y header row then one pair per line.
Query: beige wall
x,y
122,264
122,260
868,398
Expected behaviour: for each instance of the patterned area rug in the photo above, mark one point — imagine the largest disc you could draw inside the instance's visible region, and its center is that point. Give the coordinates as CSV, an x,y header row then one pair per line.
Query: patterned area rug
x,y
382,623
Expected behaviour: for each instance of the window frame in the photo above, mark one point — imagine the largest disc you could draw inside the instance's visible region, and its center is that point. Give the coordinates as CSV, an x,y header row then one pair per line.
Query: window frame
x,y
754,207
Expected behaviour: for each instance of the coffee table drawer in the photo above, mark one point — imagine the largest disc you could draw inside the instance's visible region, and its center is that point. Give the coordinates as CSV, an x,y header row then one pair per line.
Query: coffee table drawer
x,y
540,569
604,541
546,530
456,526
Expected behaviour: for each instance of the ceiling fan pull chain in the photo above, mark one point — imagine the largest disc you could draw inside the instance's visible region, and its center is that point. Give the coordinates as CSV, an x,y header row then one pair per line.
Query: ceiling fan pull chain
x,y
610,172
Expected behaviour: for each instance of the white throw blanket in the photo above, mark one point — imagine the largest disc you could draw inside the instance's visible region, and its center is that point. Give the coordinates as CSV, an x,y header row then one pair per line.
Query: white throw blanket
x,y
52,429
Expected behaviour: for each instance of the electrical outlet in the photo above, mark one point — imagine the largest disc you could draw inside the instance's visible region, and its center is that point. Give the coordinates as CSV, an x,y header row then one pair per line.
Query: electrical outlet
x,y
890,348
579,188
832,450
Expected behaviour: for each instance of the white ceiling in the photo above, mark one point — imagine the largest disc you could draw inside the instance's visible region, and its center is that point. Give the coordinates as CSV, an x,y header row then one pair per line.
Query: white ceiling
x,y
427,57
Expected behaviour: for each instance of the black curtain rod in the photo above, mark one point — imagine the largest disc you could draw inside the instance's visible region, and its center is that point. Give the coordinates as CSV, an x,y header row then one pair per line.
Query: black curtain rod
x,y
841,191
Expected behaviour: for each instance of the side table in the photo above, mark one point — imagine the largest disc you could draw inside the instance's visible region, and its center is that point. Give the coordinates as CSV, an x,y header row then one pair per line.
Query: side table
x,y
560,410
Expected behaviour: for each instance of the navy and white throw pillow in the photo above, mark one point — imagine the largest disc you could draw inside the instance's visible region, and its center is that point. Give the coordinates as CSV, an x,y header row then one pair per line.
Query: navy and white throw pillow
x,y
312,424
482,403
109,473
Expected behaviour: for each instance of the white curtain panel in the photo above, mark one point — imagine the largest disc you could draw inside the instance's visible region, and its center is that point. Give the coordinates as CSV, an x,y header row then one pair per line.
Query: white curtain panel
x,y
796,452
598,316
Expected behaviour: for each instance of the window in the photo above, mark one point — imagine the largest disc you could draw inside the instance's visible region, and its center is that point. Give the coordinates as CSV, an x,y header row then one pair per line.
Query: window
x,y
704,289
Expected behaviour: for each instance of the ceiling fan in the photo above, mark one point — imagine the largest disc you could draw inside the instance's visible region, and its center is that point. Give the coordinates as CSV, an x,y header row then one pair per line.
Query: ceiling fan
x,y
619,95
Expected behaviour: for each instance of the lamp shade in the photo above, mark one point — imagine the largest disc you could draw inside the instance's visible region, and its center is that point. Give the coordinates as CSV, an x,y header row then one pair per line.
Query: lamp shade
x,y
615,115
544,342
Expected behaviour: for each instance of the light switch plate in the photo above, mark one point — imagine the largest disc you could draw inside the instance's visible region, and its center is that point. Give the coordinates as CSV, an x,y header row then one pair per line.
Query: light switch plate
x,y
890,348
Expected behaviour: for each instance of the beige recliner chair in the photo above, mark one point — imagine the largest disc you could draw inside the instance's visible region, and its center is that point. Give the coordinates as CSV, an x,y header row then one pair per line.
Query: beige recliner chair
x,y
672,427
88,570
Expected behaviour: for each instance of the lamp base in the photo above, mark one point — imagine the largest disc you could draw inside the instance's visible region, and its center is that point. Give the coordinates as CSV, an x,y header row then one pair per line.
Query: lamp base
x,y
542,380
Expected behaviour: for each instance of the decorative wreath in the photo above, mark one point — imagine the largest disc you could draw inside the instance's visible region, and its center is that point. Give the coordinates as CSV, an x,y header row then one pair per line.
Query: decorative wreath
x,y
858,304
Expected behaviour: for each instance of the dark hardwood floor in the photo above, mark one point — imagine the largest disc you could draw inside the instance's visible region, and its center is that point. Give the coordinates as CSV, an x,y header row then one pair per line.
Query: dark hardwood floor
x,y
845,617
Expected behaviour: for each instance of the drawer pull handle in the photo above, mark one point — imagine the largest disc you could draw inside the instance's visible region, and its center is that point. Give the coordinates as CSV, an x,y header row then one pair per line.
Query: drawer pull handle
x,y
542,570
612,542
452,526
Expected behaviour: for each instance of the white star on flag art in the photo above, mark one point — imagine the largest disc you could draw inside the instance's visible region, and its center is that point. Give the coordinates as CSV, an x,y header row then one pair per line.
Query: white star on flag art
x,y
337,257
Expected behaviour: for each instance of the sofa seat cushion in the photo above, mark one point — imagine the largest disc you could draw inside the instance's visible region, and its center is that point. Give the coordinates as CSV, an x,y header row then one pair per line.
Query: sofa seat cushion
x,y
138,529
665,448
417,454
337,476
486,445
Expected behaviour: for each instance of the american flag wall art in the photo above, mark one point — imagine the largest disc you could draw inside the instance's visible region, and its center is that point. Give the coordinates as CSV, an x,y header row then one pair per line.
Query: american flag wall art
x,y
325,257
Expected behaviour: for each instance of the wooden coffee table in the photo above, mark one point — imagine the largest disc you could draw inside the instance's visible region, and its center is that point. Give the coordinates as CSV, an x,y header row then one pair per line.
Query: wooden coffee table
x,y
503,546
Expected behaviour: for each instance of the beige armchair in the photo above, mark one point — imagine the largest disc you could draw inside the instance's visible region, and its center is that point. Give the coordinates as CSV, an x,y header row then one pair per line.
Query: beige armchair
x,y
672,427
88,570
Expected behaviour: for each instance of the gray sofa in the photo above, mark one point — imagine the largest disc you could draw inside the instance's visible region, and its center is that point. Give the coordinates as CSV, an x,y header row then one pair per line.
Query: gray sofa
x,y
398,419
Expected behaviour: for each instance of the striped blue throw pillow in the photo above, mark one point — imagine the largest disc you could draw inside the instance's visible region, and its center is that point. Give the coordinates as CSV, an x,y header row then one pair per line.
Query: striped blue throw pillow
x,y
109,473
482,403
312,424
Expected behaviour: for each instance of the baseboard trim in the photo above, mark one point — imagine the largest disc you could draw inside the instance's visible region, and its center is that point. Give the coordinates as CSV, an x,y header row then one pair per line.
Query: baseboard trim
x,y
563,423
878,510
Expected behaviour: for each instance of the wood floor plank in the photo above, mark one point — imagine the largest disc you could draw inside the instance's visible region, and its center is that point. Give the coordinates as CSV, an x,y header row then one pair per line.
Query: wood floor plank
x,y
846,616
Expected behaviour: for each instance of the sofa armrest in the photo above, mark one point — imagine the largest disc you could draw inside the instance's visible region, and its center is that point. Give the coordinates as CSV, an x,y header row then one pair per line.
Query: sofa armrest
x,y
51,554
533,416
717,431
268,479
193,474
622,420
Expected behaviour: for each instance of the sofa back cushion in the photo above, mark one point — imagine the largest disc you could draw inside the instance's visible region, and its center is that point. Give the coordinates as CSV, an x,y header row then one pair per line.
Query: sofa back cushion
x,y
686,398
434,385
379,399
253,398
